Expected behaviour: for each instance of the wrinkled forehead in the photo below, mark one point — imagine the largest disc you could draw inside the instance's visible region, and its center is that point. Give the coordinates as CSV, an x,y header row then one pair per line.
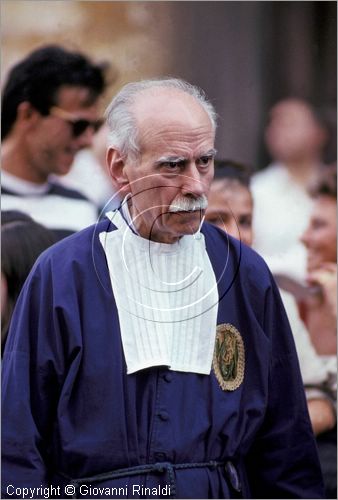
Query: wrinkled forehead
x,y
161,109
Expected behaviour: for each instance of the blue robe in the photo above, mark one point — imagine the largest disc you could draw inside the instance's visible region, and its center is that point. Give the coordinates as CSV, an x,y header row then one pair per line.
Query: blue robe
x,y
71,412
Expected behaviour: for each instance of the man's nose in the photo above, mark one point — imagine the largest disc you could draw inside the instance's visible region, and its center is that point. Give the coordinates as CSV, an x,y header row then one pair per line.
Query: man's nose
x,y
192,183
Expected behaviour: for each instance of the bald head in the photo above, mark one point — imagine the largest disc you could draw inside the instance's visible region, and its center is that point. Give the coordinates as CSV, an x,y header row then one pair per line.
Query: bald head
x,y
152,100
161,111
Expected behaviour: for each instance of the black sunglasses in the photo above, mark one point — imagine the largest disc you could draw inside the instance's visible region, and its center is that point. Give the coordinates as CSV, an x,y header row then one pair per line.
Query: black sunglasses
x,y
79,125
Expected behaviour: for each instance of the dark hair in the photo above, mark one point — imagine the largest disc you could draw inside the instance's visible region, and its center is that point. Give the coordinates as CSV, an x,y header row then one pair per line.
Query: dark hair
x,y
37,78
22,242
232,170
326,182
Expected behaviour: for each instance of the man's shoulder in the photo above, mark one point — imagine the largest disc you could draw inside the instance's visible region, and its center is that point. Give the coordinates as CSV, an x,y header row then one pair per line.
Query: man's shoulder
x,y
242,275
58,189
74,265
15,186
223,247
56,207
215,236
78,246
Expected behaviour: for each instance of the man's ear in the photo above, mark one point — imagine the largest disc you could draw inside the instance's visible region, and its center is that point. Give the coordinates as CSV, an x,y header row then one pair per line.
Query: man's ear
x,y
116,164
27,117
26,114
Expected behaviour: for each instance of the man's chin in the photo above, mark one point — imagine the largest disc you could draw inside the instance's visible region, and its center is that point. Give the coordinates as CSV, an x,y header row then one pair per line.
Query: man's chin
x,y
189,222
64,168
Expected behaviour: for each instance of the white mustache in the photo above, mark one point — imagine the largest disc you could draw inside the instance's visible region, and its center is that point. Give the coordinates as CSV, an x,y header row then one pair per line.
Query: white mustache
x,y
189,204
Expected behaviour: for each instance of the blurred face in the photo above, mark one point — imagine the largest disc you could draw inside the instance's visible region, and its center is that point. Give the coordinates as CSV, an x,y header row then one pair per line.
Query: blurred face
x,y
230,208
51,143
320,238
171,179
292,132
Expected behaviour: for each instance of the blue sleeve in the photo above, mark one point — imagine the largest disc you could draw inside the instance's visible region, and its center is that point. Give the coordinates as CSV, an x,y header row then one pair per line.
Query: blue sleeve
x,y
32,377
283,462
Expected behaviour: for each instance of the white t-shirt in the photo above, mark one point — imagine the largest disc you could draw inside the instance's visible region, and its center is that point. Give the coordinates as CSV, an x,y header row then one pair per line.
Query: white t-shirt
x,y
281,214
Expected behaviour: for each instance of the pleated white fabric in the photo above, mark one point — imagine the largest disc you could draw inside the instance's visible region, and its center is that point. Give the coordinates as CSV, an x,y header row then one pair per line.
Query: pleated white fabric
x,y
166,296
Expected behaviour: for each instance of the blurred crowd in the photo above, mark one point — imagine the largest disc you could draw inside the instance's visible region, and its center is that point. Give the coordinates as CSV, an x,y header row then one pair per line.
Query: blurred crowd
x,y
55,182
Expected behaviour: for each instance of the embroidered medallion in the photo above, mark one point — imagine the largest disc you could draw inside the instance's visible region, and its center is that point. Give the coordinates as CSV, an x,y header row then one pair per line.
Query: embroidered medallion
x,y
229,358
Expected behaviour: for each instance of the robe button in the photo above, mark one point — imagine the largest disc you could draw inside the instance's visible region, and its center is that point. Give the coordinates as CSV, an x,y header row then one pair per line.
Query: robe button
x,y
168,377
164,415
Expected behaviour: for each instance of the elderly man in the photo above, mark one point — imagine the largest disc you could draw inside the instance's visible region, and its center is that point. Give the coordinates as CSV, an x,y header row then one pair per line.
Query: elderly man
x,y
49,113
149,355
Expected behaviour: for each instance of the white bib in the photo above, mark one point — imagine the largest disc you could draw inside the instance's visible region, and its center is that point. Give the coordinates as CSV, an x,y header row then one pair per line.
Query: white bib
x,y
166,296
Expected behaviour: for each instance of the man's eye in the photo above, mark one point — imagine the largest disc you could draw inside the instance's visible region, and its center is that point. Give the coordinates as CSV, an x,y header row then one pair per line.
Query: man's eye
x,y
245,221
213,220
204,161
318,224
171,165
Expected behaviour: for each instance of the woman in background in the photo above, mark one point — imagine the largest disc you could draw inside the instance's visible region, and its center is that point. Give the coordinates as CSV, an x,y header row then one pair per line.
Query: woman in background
x,y
320,239
319,310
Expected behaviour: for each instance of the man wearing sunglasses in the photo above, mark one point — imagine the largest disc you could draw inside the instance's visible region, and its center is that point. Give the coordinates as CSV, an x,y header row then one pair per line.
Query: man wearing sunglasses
x,y
49,113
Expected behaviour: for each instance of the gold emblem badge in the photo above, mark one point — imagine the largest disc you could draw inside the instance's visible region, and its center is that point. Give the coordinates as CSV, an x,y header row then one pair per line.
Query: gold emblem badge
x,y
229,358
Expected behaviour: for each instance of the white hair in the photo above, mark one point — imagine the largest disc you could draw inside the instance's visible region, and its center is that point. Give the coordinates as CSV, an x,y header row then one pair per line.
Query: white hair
x,y
123,132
